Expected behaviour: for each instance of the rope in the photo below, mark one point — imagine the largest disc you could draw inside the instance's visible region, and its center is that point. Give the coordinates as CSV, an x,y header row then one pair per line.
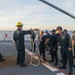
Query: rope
x,y
32,56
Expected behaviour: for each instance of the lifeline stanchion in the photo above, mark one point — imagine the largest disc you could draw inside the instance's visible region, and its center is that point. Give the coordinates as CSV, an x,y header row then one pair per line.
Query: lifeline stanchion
x,y
32,56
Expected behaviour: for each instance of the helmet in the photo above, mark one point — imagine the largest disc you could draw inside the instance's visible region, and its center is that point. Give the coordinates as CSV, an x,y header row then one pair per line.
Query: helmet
x,y
65,30
19,24
46,31
53,30
59,28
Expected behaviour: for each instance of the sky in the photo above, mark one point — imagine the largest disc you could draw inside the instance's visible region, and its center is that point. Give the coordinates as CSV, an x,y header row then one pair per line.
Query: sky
x,y
35,14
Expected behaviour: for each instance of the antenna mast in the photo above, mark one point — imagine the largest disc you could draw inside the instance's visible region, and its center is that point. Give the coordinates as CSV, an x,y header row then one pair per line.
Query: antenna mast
x,y
57,8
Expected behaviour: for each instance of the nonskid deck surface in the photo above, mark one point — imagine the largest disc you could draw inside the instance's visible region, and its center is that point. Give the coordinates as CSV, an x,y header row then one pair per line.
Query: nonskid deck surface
x,y
9,67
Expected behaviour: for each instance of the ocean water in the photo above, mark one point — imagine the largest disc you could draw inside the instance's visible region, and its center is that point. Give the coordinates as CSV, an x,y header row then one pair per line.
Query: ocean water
x,y
10,35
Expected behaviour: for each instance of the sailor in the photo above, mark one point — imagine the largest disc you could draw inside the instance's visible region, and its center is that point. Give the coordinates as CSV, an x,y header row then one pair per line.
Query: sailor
x,y
47,44
42,46
18,38
73,42
66,49
47,33
32,39
53,47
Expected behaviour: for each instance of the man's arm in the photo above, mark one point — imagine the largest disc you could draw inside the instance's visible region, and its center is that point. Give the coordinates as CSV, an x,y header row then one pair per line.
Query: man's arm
x,y
29,31
47,36
26,32
56,42
35,29
70,42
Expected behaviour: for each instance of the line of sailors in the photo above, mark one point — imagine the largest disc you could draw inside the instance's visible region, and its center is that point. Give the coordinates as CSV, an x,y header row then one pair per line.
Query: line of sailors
x,y
51,42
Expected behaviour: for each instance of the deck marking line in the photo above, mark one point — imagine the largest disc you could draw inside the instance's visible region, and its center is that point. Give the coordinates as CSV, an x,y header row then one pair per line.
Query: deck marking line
x,y
61,74
50,68
45,64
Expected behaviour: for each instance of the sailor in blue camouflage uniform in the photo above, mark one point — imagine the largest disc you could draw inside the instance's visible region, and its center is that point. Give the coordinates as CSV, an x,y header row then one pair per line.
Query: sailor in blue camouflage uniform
x,y
65,42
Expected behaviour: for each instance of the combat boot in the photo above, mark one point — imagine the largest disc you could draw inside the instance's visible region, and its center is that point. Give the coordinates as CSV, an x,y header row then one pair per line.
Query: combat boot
x,y
23,65
2,60
70,72
62,67
56,63
51,61
44,59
